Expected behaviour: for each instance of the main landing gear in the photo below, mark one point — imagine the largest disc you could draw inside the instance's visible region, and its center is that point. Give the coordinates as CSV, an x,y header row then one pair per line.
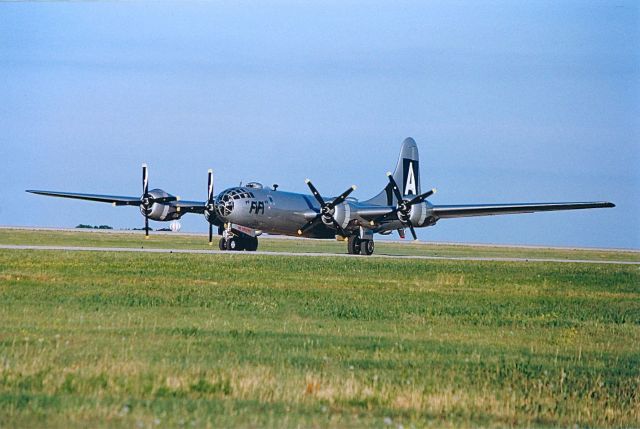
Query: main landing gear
x,y
238,242
359,246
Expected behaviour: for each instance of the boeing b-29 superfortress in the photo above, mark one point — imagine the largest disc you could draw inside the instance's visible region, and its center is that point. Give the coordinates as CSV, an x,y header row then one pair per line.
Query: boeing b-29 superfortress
x,y
242,213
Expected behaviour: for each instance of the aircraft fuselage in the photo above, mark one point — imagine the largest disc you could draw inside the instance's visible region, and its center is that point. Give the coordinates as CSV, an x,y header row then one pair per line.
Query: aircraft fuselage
x,y
279,212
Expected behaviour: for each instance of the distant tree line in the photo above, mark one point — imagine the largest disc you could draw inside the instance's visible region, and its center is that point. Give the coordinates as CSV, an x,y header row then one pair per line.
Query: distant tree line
x,y
84,226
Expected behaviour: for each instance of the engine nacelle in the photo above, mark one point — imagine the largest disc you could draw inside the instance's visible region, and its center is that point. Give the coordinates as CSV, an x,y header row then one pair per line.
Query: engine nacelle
x,y
342,214
421,215
162,211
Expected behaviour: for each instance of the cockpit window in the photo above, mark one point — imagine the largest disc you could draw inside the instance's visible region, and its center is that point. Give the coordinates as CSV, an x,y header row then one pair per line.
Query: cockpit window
x,y
238,193
225,201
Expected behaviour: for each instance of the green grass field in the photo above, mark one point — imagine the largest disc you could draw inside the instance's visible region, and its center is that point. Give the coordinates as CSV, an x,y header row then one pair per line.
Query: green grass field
x,y
101,339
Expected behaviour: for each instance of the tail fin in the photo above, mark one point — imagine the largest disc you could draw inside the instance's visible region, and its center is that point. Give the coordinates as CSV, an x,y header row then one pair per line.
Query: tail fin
x,y
406,175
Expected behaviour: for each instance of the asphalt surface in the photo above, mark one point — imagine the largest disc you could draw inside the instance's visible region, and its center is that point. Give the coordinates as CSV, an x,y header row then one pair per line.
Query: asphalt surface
x,y
301,254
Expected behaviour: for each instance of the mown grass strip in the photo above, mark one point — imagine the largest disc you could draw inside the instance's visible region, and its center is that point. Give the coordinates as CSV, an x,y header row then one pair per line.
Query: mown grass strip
x,y
106,339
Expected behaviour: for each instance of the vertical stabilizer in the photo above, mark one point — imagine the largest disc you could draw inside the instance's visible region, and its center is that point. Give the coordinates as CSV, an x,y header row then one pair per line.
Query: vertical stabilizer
x,y
406,175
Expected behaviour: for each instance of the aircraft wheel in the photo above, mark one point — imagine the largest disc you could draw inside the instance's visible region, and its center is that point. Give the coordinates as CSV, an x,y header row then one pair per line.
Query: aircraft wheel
x,y
251,244
234,243
367,247
222,244
353,245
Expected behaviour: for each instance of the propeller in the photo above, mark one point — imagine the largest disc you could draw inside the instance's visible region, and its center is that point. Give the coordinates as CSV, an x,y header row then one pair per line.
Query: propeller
x,y
147,200
403,209
327,211
210,205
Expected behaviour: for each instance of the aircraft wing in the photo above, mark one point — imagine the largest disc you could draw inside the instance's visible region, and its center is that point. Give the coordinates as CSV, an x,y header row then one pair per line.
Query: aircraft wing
x,y
448,212
186,206
374,212
189,206
113,199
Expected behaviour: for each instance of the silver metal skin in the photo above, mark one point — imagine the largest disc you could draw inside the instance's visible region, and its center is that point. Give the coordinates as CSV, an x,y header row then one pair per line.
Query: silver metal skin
x,y
245,210
278,212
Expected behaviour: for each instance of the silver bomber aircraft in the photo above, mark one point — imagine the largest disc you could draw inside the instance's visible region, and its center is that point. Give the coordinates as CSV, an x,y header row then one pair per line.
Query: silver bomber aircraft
x,y
242,213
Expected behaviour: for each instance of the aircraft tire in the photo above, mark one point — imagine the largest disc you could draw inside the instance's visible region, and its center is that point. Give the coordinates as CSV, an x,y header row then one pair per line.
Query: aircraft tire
x,y
222,244
234,243
353,245
367,247
251,244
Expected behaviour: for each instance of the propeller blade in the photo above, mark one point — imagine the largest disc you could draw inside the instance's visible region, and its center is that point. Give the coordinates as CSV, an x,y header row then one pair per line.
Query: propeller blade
x,y
413,231
395,188
144,201
421,198
145,180
310,224
210,188
315,192
339,228
209,208
342,197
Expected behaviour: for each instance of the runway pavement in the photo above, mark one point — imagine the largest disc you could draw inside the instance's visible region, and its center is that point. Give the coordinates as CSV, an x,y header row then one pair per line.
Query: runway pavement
x,y
301,254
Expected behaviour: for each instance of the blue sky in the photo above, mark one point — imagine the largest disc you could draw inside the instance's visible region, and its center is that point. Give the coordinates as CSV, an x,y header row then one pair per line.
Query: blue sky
x,y
508,101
